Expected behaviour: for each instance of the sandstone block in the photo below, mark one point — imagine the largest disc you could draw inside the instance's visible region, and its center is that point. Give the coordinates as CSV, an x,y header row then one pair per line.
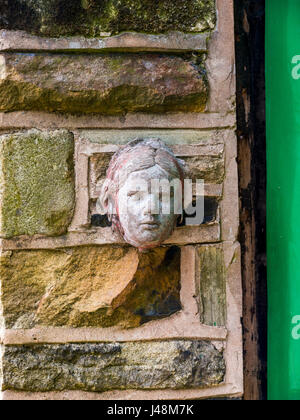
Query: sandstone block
x,y
36,183
102,367
93,18
89,287
211,285
106,84
209,168
173,138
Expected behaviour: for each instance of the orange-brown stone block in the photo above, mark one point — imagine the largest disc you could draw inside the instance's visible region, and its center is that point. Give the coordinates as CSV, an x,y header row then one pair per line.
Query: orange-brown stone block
x,y
89,286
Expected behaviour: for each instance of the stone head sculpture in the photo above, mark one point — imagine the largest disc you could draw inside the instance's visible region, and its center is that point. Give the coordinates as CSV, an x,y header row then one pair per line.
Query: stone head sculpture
x,y
137,210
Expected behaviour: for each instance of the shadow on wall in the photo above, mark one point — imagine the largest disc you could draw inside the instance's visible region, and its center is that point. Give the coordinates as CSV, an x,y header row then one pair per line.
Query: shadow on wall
x,y
250,60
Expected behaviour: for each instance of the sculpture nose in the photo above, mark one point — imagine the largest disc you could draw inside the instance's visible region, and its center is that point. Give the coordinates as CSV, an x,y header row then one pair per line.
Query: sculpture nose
x,y
147,207
151,205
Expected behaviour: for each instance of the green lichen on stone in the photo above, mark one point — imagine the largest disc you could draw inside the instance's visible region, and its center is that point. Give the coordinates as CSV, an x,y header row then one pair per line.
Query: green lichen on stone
x,y
107,84
212,286
36,183
93,17
209,168
174,364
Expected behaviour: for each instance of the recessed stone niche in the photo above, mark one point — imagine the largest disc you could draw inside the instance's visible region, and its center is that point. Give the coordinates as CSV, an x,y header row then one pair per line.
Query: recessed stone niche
x,y
89,286
209,168
208,164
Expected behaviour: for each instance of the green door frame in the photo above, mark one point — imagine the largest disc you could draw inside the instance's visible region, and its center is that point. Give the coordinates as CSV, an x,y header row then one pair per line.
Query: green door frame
x,y
283,197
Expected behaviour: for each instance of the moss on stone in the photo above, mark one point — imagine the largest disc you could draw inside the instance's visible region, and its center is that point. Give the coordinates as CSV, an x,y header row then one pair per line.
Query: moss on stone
x,y
93,17
36,183
98,367
211,284
106,84
209,168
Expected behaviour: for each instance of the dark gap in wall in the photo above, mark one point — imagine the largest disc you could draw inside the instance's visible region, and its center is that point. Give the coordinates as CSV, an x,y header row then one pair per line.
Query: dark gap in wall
x,y
98,220
250,60
161,302
211,206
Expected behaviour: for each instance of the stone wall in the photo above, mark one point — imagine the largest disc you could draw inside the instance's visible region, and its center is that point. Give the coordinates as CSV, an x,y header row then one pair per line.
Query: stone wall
x,y
85,316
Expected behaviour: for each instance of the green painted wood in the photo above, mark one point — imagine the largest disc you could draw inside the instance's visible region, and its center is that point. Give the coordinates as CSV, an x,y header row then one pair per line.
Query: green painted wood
x,y
283,196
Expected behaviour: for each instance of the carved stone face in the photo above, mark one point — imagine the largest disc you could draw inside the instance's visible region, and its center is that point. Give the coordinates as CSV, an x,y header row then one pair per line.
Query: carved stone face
x,y
143,215
141,227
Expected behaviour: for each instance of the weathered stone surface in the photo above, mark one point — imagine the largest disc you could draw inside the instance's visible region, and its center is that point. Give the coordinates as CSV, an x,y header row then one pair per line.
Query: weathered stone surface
x,y
89,286
211,284
209,168
170,137
101,367
93,17
106,84
171,42
36,183
98,166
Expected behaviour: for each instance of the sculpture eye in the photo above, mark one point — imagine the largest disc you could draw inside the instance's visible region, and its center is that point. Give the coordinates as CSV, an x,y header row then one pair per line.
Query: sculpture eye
x,y
132,193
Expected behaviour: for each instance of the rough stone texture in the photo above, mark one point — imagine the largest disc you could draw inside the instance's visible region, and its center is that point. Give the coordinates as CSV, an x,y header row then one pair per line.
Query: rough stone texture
x,y
106,84
89,286
98,165
170,137
101,367
93,17
45,120
36,183
209,168
211,285
170,42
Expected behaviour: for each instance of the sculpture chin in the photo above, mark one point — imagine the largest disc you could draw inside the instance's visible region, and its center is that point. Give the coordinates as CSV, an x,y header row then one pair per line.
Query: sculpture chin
x,y
149,236
148,240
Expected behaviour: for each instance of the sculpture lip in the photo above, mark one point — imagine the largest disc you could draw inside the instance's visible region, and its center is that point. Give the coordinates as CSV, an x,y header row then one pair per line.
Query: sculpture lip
x,y
150,224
